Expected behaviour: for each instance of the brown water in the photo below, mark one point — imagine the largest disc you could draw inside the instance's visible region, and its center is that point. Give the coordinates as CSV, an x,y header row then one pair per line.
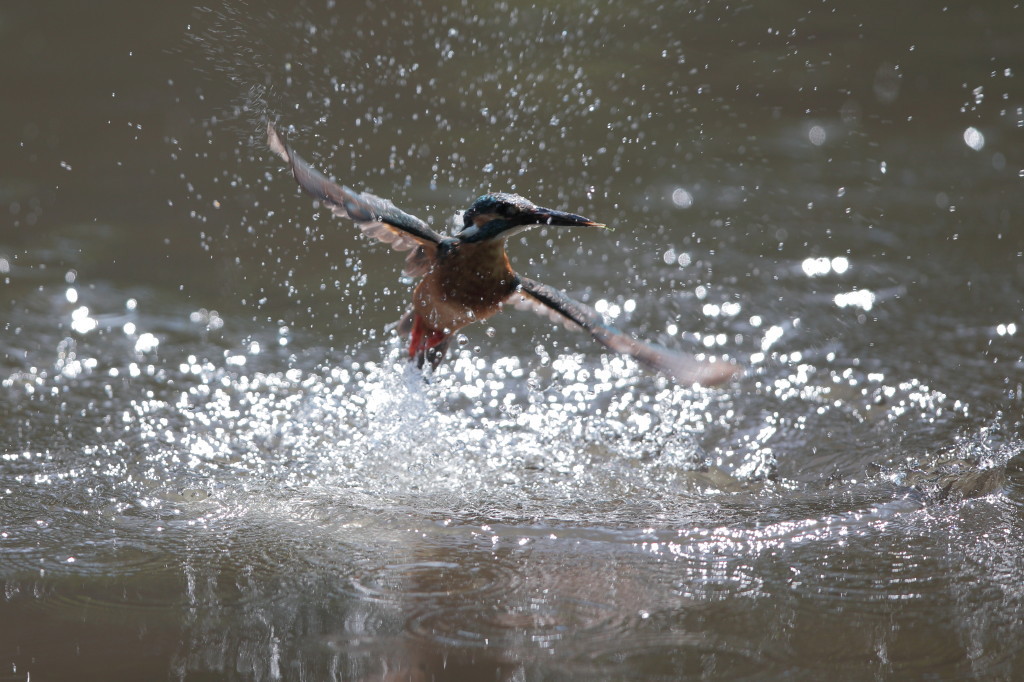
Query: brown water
x,y
216,466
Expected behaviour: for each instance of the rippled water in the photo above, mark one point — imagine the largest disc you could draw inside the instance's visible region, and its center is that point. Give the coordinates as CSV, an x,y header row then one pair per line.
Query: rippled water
x,y
215,463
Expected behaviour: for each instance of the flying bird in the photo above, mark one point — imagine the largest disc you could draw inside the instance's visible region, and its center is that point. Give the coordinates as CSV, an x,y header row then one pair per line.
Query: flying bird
x,y
467,277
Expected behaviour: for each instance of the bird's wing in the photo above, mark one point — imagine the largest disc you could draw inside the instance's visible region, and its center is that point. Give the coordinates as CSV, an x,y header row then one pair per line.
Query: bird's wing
x,y
376,217
685,369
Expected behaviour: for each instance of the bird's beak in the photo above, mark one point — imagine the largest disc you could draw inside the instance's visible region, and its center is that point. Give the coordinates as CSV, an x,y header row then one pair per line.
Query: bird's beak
x,y
547,216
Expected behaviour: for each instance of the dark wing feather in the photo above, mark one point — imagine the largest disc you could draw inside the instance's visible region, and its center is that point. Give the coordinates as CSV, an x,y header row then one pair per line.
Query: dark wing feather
x,y
556,305
376,217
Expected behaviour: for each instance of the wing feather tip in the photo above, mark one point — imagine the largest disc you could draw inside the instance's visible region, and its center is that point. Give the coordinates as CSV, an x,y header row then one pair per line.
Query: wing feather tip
x,y
712,374
276,142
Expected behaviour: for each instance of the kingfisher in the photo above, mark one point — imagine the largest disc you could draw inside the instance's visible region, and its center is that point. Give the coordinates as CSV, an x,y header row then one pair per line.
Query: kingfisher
x,y
467,277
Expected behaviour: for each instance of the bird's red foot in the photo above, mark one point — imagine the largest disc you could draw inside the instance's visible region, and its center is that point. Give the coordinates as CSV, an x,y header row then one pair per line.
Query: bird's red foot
x,y
423,339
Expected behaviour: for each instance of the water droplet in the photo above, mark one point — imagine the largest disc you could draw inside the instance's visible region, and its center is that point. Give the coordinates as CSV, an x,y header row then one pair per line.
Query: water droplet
x,y
682,198
817,135
974,139
146,343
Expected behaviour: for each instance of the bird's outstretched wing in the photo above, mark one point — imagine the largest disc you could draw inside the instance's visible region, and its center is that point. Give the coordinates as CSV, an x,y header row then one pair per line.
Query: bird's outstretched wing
x,y
685,369
376,217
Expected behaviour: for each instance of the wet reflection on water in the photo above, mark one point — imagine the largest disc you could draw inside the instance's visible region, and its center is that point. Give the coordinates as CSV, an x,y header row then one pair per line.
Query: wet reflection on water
x,y
214,464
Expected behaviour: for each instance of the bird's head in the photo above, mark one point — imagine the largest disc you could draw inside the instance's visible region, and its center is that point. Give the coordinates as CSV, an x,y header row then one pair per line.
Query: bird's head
x,y
502,215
